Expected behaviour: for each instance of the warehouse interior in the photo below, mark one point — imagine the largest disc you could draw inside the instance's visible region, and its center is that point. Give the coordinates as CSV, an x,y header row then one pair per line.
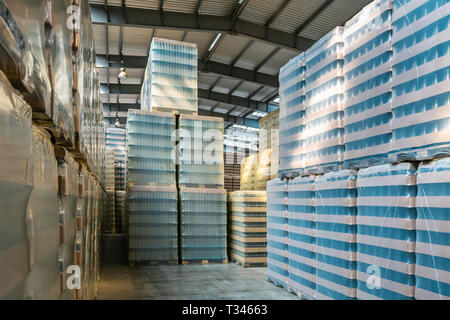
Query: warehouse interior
x,y
225,150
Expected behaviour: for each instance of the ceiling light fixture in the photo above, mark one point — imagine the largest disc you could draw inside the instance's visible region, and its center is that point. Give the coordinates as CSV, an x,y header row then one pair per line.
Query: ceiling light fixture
x,y
122,73
215,41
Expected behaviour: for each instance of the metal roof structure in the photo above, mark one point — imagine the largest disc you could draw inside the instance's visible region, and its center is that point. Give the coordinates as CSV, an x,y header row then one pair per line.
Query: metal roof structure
x,y
241,43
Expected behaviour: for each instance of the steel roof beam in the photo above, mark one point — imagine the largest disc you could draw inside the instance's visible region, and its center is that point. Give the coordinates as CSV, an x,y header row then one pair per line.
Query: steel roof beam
x,y
138,17
277,13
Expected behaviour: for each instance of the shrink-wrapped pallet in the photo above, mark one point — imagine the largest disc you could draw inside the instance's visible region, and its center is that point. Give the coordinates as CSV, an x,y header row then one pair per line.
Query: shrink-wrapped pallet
x,y
433,231
203,224
150,148
247,227
200,151
335,235
170,81
367,72
386,232
152,224
15,188
420,82
277,232
324,113
302,264
292,117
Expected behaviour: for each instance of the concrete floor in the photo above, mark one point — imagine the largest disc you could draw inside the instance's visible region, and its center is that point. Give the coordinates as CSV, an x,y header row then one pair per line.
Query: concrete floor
x,y
181,282
188,282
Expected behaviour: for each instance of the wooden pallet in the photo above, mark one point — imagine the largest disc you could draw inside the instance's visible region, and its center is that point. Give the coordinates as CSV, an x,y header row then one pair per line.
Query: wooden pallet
x,y
133,264
224,261
251,264
203,186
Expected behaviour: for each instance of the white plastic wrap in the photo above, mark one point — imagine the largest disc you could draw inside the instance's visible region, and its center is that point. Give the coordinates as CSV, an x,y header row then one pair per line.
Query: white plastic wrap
x,y
170,81
277,232
386,232
324,112
15,188
292,117
302,264
433,230
367,72
420,82
42,221
335,235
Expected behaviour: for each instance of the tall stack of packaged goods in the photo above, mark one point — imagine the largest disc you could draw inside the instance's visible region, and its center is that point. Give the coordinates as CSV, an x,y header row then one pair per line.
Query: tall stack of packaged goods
x,y
151,188
40,88
366,216
269,143
110,214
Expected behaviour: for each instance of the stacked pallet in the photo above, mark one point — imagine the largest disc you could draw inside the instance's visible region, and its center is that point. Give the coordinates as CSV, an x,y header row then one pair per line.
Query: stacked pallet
x,y
110,213
247,227
269,141
232,171
116,140
120,219
151,193
203,225
170,83
200,152
248,168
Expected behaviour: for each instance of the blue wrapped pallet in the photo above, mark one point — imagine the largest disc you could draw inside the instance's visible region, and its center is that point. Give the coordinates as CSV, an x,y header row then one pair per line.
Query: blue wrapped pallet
x,y
335,235
386,232
367,72
421,80
433,230
277,232
302,264
203,224
324,112
292,117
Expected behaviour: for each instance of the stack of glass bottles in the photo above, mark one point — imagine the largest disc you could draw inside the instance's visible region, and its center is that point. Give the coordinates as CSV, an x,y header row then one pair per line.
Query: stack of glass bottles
x,y
152,224
201,151
386,231
248,172
109,219
277,234
302,264
292,117
247,225
170,81
367,72
120,217
150,148
116,140
421,80
324,113
203,224
335,235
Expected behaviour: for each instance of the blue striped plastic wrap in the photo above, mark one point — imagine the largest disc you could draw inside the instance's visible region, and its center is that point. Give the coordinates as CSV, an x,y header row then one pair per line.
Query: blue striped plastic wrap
x,y
324,127
386,232
335,235
277,232
203,224
15,188
367,87
302,263
170,81
421,79
201,151
433,230
292,117
151,154
152,224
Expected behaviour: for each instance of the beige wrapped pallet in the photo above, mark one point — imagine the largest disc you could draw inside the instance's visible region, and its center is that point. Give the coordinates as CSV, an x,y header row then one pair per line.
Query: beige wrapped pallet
x,y
247,227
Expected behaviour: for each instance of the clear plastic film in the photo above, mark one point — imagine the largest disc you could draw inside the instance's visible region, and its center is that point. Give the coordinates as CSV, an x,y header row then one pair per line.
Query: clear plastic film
x,y
68,221
152,224
203,224
42,222
324,114
15,188
367,72
386,232
277,232
247,227
24,40
335,235
420,83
